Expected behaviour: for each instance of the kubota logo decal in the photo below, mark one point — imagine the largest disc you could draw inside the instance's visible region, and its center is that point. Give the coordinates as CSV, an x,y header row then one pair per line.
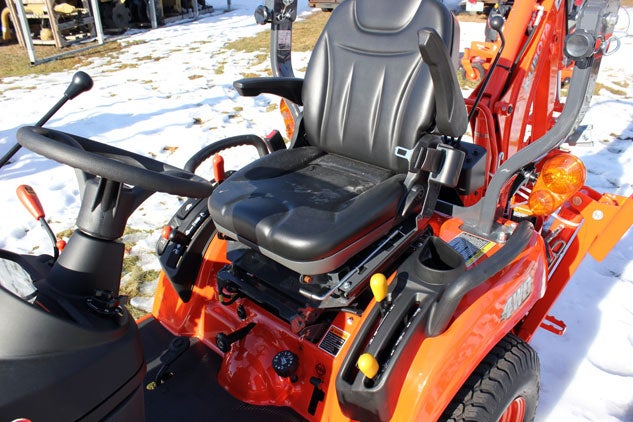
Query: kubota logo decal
x,y
517,298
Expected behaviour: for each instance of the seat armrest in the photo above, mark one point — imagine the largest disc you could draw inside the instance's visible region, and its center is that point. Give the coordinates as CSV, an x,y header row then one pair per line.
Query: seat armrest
x,y
451,117
288,88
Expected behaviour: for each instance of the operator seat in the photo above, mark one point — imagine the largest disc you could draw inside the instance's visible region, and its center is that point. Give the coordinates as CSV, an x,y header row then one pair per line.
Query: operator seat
x,y
366,91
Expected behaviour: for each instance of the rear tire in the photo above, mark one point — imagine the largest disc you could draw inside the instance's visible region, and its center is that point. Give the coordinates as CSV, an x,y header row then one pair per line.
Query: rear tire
x,y
503,387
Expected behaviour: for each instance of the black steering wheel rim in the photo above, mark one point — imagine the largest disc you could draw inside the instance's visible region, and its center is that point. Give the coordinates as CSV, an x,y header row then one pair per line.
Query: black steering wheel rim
x,y
112,163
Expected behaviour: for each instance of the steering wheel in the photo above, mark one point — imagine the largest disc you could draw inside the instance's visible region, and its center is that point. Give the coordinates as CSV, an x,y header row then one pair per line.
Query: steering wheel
x,y
111,163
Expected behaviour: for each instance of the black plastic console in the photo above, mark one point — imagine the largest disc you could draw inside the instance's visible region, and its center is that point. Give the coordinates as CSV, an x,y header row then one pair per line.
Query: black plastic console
x,y
54,368
180,252
401,327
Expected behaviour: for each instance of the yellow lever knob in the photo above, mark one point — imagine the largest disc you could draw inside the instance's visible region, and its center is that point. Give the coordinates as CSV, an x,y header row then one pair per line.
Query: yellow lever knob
x,y
378,284
368,365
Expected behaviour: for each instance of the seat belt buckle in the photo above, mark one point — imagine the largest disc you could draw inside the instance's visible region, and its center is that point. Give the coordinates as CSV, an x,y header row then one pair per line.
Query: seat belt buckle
x,y
403,152
411,155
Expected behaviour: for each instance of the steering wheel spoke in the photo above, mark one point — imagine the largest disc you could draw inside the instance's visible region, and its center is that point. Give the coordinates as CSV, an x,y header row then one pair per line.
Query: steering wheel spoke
x,y
113,182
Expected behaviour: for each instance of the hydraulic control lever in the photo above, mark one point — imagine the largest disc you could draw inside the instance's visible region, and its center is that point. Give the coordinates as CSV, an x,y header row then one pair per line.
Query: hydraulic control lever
x,y
80,83
495,22
31,202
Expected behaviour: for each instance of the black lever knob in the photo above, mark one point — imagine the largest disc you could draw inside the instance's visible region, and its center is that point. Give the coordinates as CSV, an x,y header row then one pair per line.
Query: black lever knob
x,y
262,15
81,82
496,22
224,341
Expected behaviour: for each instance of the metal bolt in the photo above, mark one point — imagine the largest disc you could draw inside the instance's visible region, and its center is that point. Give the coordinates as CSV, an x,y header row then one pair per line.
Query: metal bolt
x,y
350,320
576,201
597,215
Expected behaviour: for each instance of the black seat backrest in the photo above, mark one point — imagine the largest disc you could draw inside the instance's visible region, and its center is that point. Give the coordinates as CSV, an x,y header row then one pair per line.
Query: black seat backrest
x,y
367,89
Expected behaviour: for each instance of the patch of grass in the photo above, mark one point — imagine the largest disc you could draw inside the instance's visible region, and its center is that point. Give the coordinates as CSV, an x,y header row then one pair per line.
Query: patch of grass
x,y
219,69
304,35
121,66
130,289
169,148
307,31
465,83
15,62
623,84
257,43
148,275
599,86
250,75
192,77
271,107
136,277
65,233
26,88
468,17
130,43
260,58
130,230
135,312
130,262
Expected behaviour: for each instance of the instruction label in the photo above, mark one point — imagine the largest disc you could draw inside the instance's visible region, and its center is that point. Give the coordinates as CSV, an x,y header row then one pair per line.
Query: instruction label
x,y
334,340
471,247
284,39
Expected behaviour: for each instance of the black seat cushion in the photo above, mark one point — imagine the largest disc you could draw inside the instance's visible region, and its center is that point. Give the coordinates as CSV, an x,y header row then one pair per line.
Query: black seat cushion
x,y
304,205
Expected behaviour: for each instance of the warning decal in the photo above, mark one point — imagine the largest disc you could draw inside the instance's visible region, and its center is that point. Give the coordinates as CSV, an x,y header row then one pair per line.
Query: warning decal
x,y
471,247
334,340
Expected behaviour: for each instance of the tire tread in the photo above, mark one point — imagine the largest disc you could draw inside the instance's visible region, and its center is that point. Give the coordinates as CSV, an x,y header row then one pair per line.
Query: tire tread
x,y
481,397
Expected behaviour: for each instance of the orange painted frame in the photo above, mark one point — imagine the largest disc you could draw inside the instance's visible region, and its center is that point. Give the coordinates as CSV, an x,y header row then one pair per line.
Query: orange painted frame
x,y
442,363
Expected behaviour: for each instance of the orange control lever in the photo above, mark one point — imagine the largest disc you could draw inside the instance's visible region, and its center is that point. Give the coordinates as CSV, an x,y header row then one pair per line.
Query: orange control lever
x,y
218,168
31,202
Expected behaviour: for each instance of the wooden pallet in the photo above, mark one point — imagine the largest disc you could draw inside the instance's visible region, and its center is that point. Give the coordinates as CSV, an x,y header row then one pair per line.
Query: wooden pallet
x,y
62,20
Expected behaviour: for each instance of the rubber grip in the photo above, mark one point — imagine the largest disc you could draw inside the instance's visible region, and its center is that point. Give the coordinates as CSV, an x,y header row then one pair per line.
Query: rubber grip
x,y
31,202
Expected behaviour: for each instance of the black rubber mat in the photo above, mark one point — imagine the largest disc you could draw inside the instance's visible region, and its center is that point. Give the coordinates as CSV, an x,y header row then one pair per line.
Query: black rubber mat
x,y
192,392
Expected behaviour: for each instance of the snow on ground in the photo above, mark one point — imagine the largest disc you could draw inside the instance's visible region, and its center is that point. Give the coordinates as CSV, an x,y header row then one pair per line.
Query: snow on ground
x,y
170,93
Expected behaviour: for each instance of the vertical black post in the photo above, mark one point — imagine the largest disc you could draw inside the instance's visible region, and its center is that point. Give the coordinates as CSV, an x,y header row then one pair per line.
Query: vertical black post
x,y
284,13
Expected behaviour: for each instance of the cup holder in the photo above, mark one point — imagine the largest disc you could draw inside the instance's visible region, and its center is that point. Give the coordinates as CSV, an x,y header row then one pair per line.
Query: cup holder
x,y
438,263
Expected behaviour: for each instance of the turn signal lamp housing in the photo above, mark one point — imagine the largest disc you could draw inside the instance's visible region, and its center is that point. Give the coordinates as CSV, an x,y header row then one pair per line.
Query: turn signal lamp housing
x,y
561,177
287,116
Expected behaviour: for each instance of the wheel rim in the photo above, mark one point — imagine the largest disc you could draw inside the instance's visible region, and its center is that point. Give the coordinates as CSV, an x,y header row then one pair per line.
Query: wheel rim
x,y
515,411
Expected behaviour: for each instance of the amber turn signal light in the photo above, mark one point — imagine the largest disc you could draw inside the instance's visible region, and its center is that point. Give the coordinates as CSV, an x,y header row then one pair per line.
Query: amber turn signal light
x,y
287,116
561,177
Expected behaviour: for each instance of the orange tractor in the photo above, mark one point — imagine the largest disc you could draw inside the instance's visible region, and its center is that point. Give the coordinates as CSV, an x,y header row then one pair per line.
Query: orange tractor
x,y
382,266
